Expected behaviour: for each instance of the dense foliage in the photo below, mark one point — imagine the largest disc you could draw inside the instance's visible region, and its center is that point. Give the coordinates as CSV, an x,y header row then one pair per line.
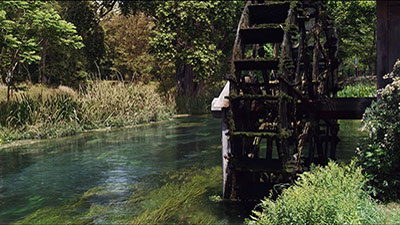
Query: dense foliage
x,y
331,195
127,39
29,32
380,153
88,60
354,90
356,26
193,35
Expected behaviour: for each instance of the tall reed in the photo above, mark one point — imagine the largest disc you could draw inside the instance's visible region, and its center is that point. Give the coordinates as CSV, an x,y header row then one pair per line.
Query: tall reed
x,y
40,113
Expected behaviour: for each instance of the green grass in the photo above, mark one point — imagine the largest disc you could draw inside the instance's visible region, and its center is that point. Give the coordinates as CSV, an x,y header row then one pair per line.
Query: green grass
x,y
40,112
363,89
391,213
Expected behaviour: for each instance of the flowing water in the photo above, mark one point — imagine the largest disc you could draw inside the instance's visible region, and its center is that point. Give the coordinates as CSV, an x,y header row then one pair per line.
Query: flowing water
x,y
49,173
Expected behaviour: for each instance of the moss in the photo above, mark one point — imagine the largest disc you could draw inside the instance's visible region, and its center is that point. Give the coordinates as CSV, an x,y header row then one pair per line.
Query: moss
x,y
281,134
261,97
269,25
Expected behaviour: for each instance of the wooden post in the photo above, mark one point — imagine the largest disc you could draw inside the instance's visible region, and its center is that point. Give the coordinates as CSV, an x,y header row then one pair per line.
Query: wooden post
x,y
226,153
388,43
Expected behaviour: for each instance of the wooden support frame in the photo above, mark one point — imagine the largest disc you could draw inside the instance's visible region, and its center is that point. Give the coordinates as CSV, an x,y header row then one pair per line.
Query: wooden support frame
x,y
388,40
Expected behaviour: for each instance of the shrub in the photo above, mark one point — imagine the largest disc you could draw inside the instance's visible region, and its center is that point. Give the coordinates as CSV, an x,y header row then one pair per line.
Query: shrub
x,y
358,90
379,153
331,195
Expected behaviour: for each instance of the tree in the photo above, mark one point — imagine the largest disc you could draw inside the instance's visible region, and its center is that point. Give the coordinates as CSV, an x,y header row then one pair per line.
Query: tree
x,y
127,40
16,45
356,25
83,14
28,30
196,36
53,32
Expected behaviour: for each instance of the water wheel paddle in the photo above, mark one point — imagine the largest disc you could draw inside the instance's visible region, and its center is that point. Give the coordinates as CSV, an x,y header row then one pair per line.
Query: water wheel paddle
x,y
285,53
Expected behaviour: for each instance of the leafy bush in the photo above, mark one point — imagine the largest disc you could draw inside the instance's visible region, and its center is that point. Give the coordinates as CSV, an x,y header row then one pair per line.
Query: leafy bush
x,y
331,195
379,153
358,90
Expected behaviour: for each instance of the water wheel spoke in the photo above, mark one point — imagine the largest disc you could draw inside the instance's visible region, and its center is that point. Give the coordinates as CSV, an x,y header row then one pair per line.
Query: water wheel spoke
x,y
263,119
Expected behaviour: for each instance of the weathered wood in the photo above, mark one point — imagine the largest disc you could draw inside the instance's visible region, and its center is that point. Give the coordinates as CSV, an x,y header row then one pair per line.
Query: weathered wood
x,y
226,153
251,64
273,135
258,165
274,106
218,104
272,13
336,108
261,35
388,40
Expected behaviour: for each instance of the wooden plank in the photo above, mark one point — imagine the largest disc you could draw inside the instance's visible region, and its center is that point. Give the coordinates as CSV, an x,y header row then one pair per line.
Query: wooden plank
x,y
268,13
226,152
251,64
338,108
258,165
261,35
218,104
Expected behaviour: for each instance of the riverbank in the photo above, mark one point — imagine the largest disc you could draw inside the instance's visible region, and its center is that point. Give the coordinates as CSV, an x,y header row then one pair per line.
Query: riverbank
x,y
18,143
39,112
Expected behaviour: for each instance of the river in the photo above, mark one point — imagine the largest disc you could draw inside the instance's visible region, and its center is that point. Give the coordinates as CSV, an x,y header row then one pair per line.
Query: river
x,y
52,172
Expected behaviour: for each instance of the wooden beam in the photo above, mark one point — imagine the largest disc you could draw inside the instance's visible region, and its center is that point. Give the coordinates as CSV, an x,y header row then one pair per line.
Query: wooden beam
x,y
388,44
337,108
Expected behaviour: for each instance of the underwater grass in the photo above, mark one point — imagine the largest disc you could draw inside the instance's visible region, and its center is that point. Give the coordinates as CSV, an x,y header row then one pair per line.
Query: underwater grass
x,y
181,198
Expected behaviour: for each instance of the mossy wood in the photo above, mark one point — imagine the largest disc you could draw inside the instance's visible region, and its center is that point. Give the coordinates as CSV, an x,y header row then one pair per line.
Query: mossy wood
x,y
269,122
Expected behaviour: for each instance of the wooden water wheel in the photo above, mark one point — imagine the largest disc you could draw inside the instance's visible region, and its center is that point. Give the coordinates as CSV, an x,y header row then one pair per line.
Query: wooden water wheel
x,y
285,53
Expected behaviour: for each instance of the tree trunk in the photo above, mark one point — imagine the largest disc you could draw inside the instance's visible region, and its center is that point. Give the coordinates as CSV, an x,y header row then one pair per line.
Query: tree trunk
x,y
186,84
42,66
8,94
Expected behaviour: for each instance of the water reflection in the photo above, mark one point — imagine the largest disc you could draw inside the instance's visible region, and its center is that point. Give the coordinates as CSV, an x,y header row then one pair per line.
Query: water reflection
x,y
350,135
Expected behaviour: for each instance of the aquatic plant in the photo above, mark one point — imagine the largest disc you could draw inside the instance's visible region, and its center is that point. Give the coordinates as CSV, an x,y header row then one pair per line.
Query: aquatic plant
x,y
181,198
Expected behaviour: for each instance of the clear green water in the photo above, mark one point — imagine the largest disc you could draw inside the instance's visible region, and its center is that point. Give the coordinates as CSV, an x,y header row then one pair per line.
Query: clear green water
x,y
50,173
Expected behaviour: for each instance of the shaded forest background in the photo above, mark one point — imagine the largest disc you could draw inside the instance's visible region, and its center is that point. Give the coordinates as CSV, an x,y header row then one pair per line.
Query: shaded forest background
x,y
183,46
